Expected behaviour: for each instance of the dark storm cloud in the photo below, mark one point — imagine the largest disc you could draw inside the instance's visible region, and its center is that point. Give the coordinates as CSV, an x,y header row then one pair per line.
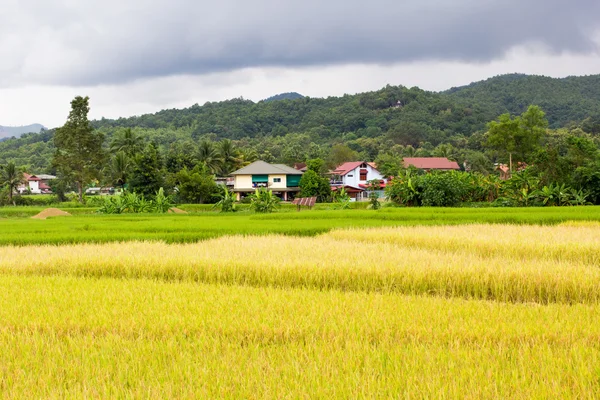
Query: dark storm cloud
x,y
110,41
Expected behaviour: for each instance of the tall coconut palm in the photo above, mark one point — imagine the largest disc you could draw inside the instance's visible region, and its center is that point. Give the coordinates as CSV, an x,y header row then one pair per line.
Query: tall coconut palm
x,y
247,156
11,177
209,157
229,156
120,167
127,141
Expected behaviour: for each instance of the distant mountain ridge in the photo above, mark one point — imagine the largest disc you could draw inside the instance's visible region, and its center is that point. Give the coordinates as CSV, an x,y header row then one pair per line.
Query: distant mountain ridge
x,y
367,123
285,96
9,131
573,98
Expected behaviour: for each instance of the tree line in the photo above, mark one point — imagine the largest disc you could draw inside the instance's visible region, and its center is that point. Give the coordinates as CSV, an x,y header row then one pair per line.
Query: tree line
x,y
121,153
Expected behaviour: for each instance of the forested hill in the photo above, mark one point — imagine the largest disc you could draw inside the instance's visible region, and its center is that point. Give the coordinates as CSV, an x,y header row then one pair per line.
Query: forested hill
x,y
568,99
285,96
462,110
368,124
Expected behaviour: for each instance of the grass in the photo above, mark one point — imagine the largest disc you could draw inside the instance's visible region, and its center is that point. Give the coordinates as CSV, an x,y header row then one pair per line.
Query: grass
x,y
497,262
202,226
65,337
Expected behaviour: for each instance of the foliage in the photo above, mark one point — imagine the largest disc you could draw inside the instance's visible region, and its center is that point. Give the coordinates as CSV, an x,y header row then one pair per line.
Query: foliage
x,y
148,174
264,201
195,186
226,200
10,179
520,135
313,185
374,186
128,142
79,154
341,199
136,203
441,189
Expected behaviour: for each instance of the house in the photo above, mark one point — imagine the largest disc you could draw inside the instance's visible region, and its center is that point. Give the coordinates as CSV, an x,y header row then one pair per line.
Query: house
x,y
504,170
35,184
282,180
354,176
301,167
431,163
30,184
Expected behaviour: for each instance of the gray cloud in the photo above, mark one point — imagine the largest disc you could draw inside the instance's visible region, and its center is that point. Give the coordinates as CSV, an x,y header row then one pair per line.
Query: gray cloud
x,y
114,41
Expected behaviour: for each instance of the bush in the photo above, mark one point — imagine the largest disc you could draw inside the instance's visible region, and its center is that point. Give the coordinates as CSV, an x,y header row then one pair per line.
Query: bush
x,y
442,189
264,201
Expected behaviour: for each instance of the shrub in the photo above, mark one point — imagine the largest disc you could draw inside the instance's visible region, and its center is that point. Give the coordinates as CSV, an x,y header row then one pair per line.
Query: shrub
x,y
263,201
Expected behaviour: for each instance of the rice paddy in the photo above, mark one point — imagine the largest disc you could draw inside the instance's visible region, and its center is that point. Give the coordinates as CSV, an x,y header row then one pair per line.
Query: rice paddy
x,y
376,306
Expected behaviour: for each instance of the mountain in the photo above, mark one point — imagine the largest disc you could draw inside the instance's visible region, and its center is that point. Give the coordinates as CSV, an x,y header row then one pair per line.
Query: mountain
x,y
8,131
574,98
368,123
285,96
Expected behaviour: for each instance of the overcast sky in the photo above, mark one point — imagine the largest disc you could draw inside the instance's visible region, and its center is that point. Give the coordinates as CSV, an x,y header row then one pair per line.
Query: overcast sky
x,y
139,56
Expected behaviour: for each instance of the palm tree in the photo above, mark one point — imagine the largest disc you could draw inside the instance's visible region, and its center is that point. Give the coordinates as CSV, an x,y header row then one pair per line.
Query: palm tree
x,y
128,141
208,156
119,168
229,156
248,156
10,177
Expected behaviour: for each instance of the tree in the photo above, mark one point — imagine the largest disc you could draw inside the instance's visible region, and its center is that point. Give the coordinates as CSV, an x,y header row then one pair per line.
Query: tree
x,y
127,141
196,186
313,185
389,164
10,177
229,156
339,154
208,156
120,168
147,176
79,151
518,136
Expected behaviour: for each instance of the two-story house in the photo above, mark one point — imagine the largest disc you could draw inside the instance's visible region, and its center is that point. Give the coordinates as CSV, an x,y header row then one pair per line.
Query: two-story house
x,y
354,177
35,184
281,179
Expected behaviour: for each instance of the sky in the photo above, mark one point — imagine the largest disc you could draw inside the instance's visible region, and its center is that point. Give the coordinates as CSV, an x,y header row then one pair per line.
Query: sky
x,y
140,56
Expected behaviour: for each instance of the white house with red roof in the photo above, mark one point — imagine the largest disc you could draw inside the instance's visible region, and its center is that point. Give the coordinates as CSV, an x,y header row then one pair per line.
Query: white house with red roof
x,y
35,184
354,177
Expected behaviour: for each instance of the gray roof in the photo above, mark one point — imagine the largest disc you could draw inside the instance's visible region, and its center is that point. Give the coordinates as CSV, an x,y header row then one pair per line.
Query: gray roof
x,y
264,168
46,177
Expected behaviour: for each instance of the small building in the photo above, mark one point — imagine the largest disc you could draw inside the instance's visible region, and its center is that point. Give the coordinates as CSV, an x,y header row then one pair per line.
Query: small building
x,y
282,180
504,170
354,176
31,184
431,163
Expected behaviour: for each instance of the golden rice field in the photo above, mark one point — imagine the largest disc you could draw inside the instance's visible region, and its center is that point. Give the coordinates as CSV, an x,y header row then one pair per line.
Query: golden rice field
x,y
468,311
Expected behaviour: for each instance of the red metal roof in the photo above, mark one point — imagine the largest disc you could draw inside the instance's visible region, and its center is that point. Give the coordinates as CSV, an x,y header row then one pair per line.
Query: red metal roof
x,y
30,178
347,167
430,163
44,186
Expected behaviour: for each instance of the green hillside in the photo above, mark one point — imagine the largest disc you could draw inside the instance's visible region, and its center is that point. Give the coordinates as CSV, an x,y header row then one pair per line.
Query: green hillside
x,y
564,100
365,125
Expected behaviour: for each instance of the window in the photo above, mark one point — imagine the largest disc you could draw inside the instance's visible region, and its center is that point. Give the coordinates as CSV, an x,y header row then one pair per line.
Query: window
x,y
277,180
350,176
363,174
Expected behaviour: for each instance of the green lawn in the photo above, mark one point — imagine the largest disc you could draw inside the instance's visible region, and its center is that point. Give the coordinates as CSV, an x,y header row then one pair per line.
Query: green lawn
x,y
200,226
